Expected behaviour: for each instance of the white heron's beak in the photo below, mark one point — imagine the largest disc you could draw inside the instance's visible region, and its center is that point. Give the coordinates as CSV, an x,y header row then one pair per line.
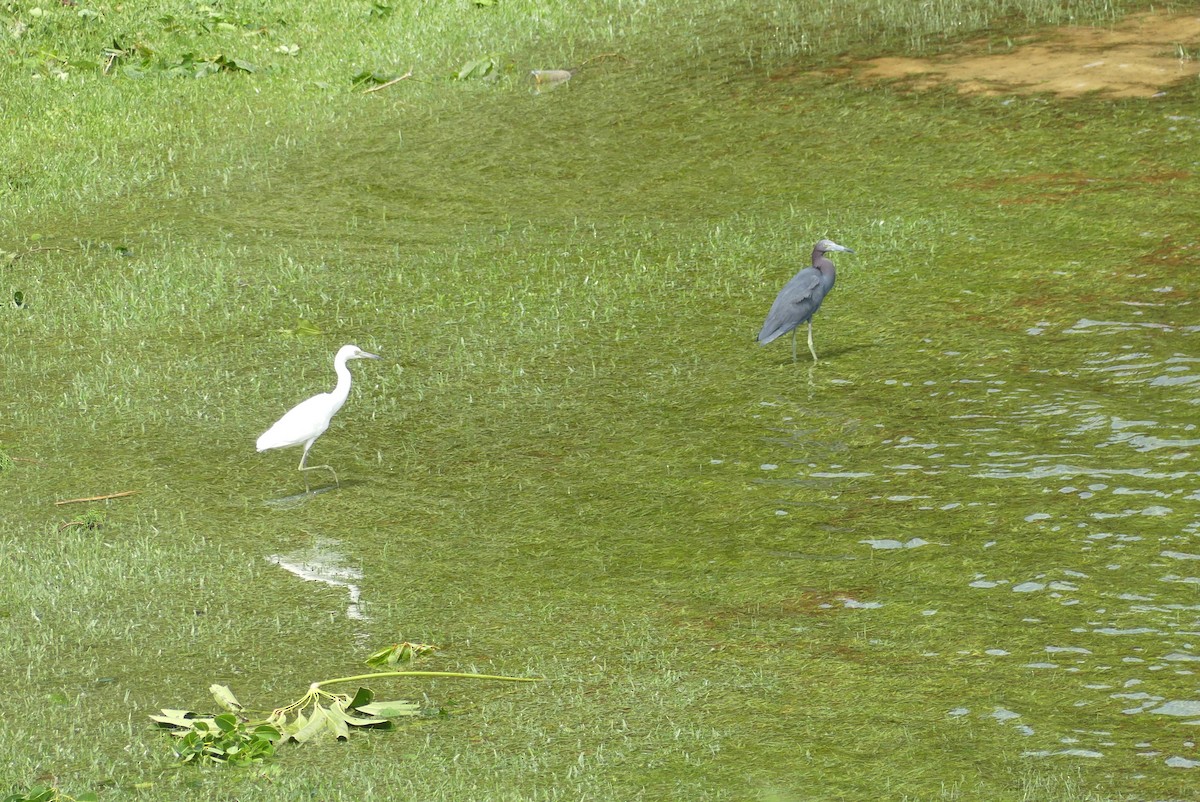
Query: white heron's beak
x,y
364,355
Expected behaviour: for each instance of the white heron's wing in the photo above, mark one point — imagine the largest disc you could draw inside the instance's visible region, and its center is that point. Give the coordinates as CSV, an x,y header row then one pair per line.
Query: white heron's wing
x,y
303,422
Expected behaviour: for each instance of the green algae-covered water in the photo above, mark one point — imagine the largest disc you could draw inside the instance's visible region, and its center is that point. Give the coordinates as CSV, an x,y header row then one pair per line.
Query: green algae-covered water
x,y
955,559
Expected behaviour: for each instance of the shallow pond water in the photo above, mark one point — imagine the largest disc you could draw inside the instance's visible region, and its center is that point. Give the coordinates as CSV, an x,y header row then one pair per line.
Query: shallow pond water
x,y
972,529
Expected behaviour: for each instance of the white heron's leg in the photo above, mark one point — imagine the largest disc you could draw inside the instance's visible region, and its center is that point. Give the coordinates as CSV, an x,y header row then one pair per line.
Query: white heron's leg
x,y
304,457
810,342
329,468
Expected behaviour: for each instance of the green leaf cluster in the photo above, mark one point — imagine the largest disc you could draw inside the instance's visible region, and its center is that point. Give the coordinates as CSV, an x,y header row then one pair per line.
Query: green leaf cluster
x,y
189,65
205,18
224,739
236,737
400,653
91,519
321,714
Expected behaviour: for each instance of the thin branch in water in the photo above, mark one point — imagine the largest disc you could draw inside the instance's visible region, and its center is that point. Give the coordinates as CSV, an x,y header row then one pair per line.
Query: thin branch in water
x,y
389,83
603,56
122,494
451,674
14,255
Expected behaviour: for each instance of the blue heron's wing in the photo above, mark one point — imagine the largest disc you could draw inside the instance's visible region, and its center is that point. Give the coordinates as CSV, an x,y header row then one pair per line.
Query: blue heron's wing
x,y
795,304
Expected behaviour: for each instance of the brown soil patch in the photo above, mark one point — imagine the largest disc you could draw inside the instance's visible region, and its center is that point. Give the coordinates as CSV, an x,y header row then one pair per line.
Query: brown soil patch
x,y
1137,58
1059,187
807,603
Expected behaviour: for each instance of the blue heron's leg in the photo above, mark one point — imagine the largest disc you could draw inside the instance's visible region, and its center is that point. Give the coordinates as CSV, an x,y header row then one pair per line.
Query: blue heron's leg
x,y
329,468
793,345
810,342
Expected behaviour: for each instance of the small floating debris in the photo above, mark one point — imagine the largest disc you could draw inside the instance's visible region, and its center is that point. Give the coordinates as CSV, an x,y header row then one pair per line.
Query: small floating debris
x,y
549,80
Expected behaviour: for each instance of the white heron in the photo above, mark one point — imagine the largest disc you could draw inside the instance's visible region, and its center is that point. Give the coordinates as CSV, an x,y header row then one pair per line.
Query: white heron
x,y
308,420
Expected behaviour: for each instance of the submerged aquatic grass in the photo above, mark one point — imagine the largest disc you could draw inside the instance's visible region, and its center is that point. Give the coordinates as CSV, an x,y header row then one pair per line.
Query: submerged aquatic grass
x,y
561,472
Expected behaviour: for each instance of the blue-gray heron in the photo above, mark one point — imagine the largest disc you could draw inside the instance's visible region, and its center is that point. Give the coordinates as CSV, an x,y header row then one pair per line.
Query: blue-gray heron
x,y
801,297
308,420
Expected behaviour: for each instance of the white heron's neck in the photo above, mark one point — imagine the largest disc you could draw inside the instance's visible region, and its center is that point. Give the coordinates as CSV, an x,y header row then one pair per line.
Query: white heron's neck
x,y
342,390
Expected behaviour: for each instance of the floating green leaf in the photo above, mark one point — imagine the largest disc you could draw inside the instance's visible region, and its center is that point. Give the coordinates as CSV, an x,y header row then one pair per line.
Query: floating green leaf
x,y
305,728
374,77
225,697
233,64
226,722
390,709
176,718
479,68
303,328
339,723
361,697
381,10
